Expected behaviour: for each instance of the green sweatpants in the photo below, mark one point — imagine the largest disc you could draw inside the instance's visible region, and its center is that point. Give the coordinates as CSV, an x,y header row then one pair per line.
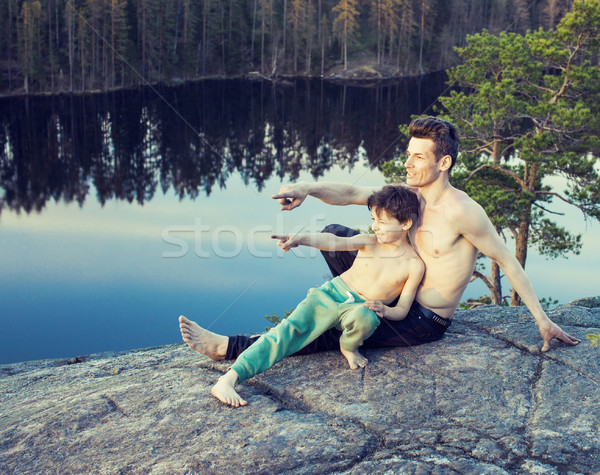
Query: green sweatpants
x,y
331,305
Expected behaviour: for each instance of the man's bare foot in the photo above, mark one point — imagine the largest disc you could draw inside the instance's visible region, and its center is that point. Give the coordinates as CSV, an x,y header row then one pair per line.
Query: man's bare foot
x,y
225,391
355,359
197,338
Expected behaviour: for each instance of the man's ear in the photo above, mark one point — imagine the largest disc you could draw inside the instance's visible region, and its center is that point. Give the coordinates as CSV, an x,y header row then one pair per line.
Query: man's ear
x,y
445,163
406,225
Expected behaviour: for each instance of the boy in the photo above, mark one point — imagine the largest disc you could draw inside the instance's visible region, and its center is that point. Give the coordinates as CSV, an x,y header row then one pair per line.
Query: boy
x,y
386,266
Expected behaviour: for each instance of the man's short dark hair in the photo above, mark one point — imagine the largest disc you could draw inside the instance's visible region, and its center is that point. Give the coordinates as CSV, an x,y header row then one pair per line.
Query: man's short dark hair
x,y
443,133
398,201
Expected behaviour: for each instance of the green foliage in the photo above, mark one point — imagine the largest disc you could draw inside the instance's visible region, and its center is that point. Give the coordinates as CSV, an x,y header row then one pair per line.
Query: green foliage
x,y
275,319
547,302
64,45
476,302
528,109
594,337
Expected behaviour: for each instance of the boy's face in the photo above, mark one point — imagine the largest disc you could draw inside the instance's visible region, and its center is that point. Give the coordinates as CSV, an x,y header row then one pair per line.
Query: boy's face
x,y
387,228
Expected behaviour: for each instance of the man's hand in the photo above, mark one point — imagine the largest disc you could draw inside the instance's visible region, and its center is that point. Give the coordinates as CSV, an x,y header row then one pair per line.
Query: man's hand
x,y
287,241
291,196
377,306
552,331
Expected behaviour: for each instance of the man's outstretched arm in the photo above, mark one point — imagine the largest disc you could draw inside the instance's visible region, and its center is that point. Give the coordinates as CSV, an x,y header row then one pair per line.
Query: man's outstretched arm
x,y
476,227
292,195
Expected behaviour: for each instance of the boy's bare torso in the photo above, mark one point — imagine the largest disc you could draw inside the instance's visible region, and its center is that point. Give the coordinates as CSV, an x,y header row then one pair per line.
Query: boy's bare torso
x,y
379,272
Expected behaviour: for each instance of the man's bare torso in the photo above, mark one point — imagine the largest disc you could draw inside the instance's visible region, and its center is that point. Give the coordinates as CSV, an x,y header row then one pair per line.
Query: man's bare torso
x,y
449,258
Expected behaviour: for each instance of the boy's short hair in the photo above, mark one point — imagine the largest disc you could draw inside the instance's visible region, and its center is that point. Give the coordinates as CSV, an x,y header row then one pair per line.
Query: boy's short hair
x,y
398,201
443,133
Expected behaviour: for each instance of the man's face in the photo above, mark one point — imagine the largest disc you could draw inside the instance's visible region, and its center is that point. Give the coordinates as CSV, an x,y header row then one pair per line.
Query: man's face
x,y
386,228
421,165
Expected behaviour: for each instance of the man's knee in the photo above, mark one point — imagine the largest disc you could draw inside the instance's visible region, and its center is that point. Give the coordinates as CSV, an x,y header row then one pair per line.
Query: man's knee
x,y
339,230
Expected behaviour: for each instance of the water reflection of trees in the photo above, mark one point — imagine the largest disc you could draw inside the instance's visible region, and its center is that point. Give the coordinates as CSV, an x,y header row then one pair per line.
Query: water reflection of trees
x,y
125,144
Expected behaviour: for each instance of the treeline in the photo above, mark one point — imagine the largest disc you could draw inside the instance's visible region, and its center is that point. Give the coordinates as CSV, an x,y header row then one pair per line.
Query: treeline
x,y
79,45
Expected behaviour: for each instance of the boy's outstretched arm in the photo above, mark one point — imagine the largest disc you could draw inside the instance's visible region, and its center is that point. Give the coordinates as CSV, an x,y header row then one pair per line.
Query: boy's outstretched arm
x,y
324,241
409,291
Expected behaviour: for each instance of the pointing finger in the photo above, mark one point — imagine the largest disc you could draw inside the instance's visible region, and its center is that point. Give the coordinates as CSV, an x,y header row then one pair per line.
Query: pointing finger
x,y
283,195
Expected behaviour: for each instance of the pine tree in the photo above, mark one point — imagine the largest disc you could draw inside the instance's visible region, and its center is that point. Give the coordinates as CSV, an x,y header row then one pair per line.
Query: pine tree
x,y
531,112
345,25
118,40
298,19
30,42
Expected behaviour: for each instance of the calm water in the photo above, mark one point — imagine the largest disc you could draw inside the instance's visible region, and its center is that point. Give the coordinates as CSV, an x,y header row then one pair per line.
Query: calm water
x,y
119,212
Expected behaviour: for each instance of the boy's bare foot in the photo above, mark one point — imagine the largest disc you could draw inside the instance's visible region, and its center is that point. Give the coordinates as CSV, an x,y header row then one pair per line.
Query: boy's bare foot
x,y
197,338
225,391
355,359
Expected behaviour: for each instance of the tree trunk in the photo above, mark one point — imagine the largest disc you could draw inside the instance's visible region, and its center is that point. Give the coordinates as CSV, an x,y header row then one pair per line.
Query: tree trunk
x,y
253,31
496,284
204,36
284,24
521,250
309,35
421,39
262,40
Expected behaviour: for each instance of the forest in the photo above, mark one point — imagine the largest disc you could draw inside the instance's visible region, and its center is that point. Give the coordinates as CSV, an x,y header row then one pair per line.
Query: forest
x,y
91,45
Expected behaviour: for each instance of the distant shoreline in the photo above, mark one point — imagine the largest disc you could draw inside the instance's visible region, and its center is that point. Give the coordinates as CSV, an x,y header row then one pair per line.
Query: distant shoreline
x,y
351,77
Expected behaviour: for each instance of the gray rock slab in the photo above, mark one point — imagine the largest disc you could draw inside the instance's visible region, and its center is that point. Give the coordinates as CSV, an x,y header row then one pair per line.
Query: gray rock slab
x,y
152,411
482,400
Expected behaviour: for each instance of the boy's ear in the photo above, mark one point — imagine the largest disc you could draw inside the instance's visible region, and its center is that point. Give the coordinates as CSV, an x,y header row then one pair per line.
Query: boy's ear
x,y
444,163
406,225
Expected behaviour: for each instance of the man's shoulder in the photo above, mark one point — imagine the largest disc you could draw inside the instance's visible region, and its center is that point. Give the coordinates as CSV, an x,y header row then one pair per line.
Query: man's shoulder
x,y
465,214
460,204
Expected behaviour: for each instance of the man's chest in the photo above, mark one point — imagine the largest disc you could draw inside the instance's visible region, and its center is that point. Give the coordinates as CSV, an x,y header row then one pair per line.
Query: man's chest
x,y
435,236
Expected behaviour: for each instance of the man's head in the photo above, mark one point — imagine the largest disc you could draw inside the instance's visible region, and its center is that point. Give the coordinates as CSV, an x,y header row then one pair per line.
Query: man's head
x,y
443,134
398,203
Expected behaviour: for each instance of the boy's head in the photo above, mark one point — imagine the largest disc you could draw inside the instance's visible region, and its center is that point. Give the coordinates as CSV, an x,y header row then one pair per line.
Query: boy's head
x,y
443,133
397,201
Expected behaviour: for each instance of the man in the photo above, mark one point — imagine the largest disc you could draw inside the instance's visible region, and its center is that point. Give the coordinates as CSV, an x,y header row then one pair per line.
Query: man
x,y
452,228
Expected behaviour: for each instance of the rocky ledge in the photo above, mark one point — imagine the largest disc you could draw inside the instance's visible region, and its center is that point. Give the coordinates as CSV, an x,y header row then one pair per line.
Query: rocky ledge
x,y
482,400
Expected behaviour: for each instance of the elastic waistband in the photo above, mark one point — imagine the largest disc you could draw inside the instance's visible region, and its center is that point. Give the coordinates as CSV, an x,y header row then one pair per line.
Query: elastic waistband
x,y
445,322
343,289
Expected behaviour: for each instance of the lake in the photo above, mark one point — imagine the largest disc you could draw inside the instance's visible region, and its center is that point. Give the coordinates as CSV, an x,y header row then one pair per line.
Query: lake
x,y
121,211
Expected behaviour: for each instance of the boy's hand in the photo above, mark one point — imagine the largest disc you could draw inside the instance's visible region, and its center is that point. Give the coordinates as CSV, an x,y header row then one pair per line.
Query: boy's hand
x,y
377,306
291,196
286,241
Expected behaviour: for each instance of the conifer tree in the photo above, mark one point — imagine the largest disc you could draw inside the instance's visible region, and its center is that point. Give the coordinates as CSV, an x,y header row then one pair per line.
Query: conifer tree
x,y
345,24
118,38
30,44
528,110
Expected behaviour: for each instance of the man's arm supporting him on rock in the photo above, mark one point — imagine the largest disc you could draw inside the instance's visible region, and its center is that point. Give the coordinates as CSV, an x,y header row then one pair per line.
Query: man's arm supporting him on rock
x,y
476,227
